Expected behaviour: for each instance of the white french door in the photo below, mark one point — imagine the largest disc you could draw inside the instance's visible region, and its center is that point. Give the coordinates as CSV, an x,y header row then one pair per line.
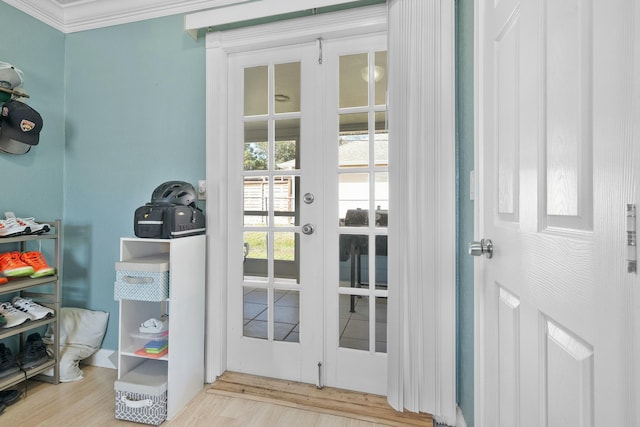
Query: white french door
x,y
356,213
275,280
308,202
553,309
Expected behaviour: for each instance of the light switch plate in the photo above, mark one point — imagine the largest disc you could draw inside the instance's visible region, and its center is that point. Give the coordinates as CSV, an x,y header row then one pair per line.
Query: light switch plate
x,y
202,189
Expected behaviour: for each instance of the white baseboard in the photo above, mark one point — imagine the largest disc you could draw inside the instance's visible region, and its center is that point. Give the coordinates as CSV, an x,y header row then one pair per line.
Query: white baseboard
x,y
460,422
103,358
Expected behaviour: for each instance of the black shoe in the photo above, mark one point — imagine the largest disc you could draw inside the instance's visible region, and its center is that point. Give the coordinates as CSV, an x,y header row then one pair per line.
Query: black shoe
x,y
8,363
35,352
9,397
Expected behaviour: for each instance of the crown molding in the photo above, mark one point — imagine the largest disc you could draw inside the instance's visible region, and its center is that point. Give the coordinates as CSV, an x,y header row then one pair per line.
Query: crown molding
x,y
84,15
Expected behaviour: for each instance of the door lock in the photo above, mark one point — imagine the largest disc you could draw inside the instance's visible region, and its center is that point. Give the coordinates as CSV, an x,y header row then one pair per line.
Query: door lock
x,y
483,247
308,229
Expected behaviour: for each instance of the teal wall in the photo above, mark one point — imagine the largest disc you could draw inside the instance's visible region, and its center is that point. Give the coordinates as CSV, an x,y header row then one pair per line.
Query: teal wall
x,y
464,162
135,108
32,184
123,110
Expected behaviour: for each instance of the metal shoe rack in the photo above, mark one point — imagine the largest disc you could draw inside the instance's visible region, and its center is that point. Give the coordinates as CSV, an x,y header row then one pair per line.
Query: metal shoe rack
x,y
43,290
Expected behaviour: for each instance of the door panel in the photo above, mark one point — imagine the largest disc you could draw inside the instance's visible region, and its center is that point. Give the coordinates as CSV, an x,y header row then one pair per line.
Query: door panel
x,y
276,279
357,206
551,206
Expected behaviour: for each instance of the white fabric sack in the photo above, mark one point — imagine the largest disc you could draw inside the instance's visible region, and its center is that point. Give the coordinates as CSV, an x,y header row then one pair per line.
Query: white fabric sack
x,y
81,334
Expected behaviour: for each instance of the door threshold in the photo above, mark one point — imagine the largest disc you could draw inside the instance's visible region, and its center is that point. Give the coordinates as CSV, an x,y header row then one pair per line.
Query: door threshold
x,y
362,406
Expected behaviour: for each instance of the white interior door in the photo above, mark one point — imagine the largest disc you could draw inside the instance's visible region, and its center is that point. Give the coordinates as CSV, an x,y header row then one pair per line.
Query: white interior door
x,y
552,302
308,191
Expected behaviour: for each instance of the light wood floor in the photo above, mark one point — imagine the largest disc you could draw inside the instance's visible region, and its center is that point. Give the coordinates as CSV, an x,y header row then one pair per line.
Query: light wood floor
x,y
91,402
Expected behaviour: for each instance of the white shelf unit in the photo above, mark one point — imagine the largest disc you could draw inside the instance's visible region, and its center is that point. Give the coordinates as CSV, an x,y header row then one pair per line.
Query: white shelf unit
x,y
185,308
43,290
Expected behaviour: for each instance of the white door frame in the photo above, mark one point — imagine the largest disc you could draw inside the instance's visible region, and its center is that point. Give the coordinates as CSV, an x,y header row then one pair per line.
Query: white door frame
x,y
219,46
437,387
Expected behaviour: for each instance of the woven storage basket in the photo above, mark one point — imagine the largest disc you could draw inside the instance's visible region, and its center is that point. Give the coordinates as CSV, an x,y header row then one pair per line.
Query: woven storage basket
x,y
141,395
142,279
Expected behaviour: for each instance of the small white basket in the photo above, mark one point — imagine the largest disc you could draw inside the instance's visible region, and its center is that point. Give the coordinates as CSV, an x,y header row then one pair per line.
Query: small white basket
x,y
142,279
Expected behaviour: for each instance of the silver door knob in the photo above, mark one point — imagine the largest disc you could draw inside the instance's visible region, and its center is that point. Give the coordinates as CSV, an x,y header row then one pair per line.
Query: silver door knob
x,y
308,229
308,198
483,247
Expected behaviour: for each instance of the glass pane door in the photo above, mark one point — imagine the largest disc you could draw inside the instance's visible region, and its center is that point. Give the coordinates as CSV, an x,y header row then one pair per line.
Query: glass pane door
x,y
273,282
358,214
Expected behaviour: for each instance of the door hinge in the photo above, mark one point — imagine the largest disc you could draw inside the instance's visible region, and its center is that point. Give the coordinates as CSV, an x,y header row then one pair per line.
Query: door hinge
x,y
632,263
319,41
320,384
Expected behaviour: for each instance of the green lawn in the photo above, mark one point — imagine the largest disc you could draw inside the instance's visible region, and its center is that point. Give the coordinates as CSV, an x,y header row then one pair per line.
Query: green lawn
x,y
284,245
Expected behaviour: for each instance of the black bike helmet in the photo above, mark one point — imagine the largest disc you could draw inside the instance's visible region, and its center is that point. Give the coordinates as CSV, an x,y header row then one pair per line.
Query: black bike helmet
x,y
174,192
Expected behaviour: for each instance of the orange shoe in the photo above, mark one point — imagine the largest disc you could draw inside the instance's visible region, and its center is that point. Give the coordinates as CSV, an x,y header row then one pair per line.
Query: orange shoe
x,y
38,263
3,280
12,266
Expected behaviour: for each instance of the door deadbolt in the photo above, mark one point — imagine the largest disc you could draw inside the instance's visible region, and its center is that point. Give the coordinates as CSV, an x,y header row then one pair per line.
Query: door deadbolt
x,y
308,198
308,229
483,247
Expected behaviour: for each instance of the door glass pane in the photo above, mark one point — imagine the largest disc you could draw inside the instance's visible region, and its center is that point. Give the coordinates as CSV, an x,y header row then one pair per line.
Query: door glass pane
x,y
256,201
256,89
382,198
256,146
354,75
286,257
255,256
381,325
380,77
354,322
381,262
353,199
287,142
286,313
285,200
255,312
381,141
353,140
354,267
287,87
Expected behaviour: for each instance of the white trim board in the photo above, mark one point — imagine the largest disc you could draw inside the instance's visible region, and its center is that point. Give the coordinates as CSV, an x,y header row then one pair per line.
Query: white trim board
x,y
91,14
81,15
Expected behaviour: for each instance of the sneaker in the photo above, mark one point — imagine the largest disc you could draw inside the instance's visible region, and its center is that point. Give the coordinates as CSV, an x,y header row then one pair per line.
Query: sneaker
x,y
3,280
12,315
36,260
34,310
153,326
35,352
9,397
34,227
11,227
8,363
12,266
